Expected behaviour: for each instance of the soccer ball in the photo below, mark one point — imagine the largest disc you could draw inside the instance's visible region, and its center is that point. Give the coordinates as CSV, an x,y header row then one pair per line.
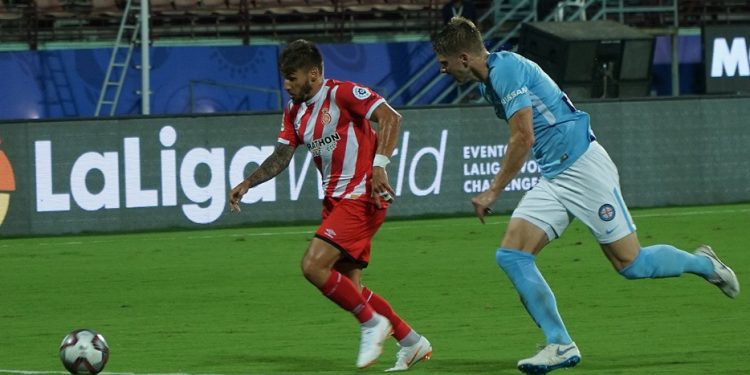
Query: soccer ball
x,y
84,351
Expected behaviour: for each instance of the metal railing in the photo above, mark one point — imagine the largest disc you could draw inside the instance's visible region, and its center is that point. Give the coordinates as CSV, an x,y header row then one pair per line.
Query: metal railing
x,y
604,9
525,9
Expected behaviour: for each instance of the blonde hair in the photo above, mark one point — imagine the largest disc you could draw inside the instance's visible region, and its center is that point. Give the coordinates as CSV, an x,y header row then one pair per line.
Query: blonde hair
x,y
459,35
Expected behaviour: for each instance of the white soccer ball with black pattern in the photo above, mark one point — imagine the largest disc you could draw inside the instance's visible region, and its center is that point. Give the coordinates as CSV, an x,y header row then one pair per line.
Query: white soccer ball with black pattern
x,y
84,351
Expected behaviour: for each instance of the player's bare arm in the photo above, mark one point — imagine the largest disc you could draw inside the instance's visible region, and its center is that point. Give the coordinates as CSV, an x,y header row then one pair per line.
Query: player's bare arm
x,y
389,125
520,142
270,168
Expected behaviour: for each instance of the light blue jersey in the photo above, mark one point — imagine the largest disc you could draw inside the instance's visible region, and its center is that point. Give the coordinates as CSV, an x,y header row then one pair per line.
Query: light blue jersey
x,y
562,133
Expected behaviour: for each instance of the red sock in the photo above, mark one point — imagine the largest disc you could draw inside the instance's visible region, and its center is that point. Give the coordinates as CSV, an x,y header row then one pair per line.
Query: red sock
x,y
382,307
339,289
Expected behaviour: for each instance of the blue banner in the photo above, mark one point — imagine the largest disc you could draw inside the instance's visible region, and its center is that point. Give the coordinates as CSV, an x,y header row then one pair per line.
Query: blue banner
x,y
67,83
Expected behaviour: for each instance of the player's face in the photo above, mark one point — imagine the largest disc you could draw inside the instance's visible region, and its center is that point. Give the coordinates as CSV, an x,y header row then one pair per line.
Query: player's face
x,y
456,67
299,85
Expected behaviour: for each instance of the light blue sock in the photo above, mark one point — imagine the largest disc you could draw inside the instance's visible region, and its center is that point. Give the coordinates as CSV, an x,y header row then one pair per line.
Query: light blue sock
x,y
666,261
535,293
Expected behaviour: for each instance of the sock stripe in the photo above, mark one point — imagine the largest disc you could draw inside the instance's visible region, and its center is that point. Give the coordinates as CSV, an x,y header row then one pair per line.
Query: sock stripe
x,y
357,309
369,296
335,286
341,290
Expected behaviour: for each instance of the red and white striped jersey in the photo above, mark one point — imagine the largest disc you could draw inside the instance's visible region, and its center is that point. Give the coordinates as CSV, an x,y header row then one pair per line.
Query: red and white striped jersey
x,y
334,125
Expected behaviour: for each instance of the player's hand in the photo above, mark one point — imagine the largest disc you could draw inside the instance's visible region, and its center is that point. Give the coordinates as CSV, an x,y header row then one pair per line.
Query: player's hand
x,y
236,195
381,189
482,203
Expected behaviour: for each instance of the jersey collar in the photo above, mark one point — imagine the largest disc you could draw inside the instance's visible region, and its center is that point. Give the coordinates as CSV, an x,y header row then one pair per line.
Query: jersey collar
x,y
317,95
490,64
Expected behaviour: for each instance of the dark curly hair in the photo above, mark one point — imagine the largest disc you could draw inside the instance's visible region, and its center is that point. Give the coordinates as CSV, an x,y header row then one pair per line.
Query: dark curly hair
x,y
300,54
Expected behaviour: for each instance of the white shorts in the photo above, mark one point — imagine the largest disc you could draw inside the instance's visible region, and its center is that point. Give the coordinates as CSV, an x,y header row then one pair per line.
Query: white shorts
x,y
588,190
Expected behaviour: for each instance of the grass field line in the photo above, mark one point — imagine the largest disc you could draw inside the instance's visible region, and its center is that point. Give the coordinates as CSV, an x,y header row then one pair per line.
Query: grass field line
x,y
397,225
28,372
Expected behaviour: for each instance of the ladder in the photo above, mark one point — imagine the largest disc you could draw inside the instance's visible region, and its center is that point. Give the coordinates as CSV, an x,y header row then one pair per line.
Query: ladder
x,y
119,62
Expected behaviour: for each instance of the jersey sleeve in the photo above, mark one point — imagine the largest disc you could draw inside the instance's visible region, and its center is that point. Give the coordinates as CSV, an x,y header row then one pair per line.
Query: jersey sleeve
x,y
287,134
509,81
359,101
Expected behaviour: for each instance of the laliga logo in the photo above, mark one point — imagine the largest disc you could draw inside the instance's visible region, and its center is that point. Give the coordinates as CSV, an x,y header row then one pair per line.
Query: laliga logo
x,y
7,184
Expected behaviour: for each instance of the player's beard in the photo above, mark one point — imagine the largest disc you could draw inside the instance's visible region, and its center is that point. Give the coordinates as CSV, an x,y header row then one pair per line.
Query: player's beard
x,y
304,94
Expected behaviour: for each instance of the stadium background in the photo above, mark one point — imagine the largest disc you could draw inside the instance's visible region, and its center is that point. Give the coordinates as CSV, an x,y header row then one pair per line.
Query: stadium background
x,y
216,93
64,83
219,102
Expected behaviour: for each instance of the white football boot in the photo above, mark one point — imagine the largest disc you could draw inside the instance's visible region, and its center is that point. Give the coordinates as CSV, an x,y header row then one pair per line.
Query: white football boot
x,y
723,276
371,341
552,357
408,356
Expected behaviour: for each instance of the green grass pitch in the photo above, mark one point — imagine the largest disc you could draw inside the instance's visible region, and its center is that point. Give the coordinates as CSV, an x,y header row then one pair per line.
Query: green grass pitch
x,y
233,301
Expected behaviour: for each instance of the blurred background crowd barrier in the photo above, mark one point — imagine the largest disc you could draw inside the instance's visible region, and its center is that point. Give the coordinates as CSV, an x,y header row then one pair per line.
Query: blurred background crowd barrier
x,y
142,173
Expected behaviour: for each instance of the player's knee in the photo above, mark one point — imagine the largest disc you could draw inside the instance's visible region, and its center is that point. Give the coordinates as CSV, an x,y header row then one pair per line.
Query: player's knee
x,y
309,269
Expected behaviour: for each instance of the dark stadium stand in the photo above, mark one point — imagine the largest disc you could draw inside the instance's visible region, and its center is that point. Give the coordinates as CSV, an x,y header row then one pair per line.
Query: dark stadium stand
x,y
714,11
9,13
38,21
104,9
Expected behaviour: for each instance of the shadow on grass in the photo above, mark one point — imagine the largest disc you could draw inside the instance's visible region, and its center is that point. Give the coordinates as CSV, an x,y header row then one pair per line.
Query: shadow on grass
x,y
645,365
295,365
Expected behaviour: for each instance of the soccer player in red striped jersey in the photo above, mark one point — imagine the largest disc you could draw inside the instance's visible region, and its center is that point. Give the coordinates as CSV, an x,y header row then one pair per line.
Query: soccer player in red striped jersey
x,y
332,120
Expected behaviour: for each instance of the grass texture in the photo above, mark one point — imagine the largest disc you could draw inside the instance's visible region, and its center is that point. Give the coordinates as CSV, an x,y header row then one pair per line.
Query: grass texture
x,y
233,301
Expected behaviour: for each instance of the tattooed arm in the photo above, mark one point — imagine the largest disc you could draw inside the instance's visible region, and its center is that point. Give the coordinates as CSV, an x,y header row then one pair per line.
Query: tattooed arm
x,y
272,166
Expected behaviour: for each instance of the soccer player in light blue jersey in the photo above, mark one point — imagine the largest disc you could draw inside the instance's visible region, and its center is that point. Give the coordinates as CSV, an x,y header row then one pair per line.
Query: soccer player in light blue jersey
x,y
578,180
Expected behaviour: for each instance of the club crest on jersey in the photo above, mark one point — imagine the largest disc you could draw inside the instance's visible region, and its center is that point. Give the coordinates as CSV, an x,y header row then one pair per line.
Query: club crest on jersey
x,y
361,93
327,143
606,212
325,116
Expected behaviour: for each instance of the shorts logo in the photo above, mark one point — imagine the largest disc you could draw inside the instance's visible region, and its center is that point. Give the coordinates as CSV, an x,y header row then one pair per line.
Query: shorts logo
x,y
606,212
361,93
325,116
330,233
7,184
